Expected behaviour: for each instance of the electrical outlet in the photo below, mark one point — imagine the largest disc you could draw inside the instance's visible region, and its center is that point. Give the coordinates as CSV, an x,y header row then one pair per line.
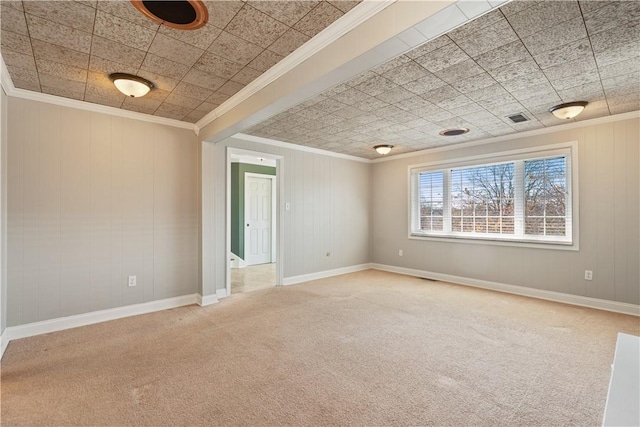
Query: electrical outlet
x,y
588,275
400,252
132,281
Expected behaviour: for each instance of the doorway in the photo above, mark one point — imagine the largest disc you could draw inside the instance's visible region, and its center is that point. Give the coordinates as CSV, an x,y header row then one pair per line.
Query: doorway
x,y
252,225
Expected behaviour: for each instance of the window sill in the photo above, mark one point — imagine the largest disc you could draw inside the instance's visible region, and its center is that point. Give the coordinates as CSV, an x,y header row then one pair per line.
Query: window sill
x,y
537,244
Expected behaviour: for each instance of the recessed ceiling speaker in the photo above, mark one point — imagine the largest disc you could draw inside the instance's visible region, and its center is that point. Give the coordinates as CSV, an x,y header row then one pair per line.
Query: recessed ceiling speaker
x,y
454,131
181,14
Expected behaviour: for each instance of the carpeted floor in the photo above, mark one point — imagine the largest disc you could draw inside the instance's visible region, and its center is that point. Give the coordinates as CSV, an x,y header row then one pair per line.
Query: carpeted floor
x,y
369,348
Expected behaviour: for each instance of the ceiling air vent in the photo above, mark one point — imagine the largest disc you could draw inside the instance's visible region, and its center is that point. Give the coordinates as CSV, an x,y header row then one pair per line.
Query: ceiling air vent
x,y
454,131
180,14
518,118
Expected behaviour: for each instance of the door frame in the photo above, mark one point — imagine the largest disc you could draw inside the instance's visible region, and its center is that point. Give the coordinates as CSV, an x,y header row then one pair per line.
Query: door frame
x,y
279,241
273,211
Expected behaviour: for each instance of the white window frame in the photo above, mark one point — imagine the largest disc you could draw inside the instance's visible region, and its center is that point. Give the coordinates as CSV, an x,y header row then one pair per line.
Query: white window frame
x,y
570,242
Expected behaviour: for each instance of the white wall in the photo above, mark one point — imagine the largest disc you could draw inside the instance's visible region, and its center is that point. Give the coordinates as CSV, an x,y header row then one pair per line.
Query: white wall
x,y
3,210
609,232
329,199
93,198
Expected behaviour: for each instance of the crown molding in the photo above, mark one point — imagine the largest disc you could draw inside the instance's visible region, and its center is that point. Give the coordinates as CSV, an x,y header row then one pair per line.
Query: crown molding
x,y
11,90
512,136
347,22
297,147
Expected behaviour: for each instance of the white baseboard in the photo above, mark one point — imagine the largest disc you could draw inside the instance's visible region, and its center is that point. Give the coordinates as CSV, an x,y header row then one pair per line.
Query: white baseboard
x,y
236,261
3,344
62,323
323,274
617,307
221,293
205,300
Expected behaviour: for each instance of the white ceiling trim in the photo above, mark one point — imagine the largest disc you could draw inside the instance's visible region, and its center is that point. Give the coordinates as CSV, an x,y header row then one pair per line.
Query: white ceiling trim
x,y
347,22
11,90
297,147
513,136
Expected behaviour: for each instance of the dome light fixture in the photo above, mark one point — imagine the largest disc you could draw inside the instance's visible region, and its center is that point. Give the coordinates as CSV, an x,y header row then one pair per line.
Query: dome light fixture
x,y
383,149
568,110
130,85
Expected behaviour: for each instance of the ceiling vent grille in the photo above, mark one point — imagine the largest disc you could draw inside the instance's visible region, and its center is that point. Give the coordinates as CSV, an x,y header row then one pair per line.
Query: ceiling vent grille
x,y
518,118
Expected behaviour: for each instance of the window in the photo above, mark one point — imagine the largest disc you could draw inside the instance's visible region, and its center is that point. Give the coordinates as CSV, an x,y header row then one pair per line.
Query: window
x,y
518,197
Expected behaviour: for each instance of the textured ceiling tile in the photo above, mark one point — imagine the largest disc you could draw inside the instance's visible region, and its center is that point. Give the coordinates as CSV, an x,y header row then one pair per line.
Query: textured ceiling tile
x,y
50,81
406,73
473,83
395,95
442,58
490,19
455,103
161,82
172,111
543,15
312,113
246,76
49,31
204,79
369,104
414,103
17,59
460,71
288,42
66,93
234,48
106,67
218,98
265,60
230,88
125,10
619,68
192,91
141,105
424,84
330,105
70,14
13,20
218,66
565,53
487,92
441,94
125,32
587,92
164,67
175,50
556,36
318,19
583,78
622,84
194,116
16,42
616,45
27,76
345,5
206,107
464,106
612,15
61,70
336,90
502,56
16,4
571,68
391,64
351,96
515,70
183,101
61,54
256,27
376,86
99,85
489,38
287,12
200,38
429,46
116,52
222,12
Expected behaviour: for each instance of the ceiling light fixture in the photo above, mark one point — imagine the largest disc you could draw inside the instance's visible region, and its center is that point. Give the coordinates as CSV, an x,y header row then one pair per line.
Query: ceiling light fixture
x,y
130,85
454,131
383,149
568,110
181,14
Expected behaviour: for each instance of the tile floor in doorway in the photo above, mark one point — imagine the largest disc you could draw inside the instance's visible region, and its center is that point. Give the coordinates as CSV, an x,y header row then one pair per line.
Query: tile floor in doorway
x,y
253,277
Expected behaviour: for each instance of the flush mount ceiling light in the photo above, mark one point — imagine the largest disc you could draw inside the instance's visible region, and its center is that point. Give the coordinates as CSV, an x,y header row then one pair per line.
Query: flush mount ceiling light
x,y
181,14
130,85
453,131
383,149
568,110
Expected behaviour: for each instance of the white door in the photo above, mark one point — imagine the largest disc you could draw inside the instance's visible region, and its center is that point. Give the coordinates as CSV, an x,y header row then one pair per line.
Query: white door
x,y
257,218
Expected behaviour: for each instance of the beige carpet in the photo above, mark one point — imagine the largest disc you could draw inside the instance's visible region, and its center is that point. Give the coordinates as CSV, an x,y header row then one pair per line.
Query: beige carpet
x,y
369,348
253,277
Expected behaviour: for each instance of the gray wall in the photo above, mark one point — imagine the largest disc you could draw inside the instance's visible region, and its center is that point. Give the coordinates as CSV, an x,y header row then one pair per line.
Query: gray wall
x,y
93,198
3,207
609,233
329,199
